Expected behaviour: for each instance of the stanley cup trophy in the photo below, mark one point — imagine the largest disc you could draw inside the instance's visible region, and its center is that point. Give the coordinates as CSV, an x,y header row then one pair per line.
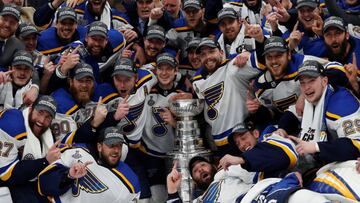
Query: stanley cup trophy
x,y
189,144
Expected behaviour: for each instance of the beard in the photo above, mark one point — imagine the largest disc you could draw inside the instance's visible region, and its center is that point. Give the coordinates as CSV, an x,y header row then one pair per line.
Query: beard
x,y
35,128
81,96
204,185
337,56
106,161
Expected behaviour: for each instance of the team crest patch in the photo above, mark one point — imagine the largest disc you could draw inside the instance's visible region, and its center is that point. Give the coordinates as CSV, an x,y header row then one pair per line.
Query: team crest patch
x,y
29,157
151,101
212,96
134,114
77,155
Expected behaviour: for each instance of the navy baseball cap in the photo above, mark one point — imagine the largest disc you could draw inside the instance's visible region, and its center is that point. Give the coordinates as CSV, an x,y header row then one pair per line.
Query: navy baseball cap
x,y
97,28
334,21
111,135
310,68
47,103
82,70
227,13
310,3
166,58
275,43
156,32
66,13
124,66
207,42
23,57
10,9
193,161
26,29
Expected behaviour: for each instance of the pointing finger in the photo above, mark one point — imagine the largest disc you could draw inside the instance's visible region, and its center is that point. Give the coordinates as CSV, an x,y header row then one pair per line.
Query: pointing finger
x,y
354,60
125,99
99,102
55,145
296,26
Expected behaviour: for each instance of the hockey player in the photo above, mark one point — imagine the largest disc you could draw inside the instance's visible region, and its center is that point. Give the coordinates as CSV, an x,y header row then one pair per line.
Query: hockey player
x,y
222,84
192,62
27,147
80,177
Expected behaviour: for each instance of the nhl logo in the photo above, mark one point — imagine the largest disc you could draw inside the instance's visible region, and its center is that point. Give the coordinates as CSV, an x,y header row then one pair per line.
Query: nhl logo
x,y
273,84
29,157
151,102
77,155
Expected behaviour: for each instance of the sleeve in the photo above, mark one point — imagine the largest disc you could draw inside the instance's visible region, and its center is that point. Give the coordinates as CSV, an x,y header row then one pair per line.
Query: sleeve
x,y
342,149
53,180
44,14
173,198
290,123
335,10
270,156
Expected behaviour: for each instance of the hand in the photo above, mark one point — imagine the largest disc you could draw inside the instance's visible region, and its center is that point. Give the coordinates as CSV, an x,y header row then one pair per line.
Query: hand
x,y
156,13
295,37
122,109
127,52
252,104
49,67
64,57
30,96
299,105
272,18
282,13
281,132
351,73
241,59
5,76
78,170
72,59
72,3
139,55
318,23
173,179
303,147
229,160
53,153
130,35
99,114
254,31
167,116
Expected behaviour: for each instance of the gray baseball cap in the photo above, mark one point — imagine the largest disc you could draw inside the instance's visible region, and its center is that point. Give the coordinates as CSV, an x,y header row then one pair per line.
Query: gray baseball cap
x,y
310,68
47,103
166,58
227,13
310,3
334,21
192,4
112,135
26,29
82,70
66,13
10,9
124,66
193,44
207,42
23,57
97,28
156,32
275,44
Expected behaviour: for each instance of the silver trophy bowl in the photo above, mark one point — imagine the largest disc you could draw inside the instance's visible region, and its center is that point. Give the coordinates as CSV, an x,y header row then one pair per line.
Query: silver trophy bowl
x,y
187,107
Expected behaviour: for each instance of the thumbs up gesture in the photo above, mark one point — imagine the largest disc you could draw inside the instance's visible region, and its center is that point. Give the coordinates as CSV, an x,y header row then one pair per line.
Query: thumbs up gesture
x,y
99,114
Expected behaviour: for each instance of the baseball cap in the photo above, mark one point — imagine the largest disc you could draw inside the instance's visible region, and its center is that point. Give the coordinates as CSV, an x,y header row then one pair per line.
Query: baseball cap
x,y
192,4
275,44
66,13
193,161
193,44
97,28
10,9
310,3
241,128
26,29
22,57
81,70
208,42
310,68
166,58
227,13
124,66
47,103
334,21
111,135
156,32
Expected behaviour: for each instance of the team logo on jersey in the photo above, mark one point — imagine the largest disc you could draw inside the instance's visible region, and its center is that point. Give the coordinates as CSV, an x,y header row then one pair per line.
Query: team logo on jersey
x,y
89,183
77,155
83,114
151,101
212,96
29,157
133,115
160,128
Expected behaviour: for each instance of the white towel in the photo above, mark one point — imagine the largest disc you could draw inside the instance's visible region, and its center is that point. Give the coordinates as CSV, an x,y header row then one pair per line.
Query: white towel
x,y
8,99
32,148
313,119
106,15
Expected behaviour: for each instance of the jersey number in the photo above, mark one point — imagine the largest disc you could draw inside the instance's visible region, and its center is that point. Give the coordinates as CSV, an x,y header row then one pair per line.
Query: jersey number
x,y
5,148
351,127
62,127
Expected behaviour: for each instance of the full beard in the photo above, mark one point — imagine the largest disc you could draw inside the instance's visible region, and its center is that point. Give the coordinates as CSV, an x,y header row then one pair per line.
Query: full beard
x,y
80,97
32,125
337,56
